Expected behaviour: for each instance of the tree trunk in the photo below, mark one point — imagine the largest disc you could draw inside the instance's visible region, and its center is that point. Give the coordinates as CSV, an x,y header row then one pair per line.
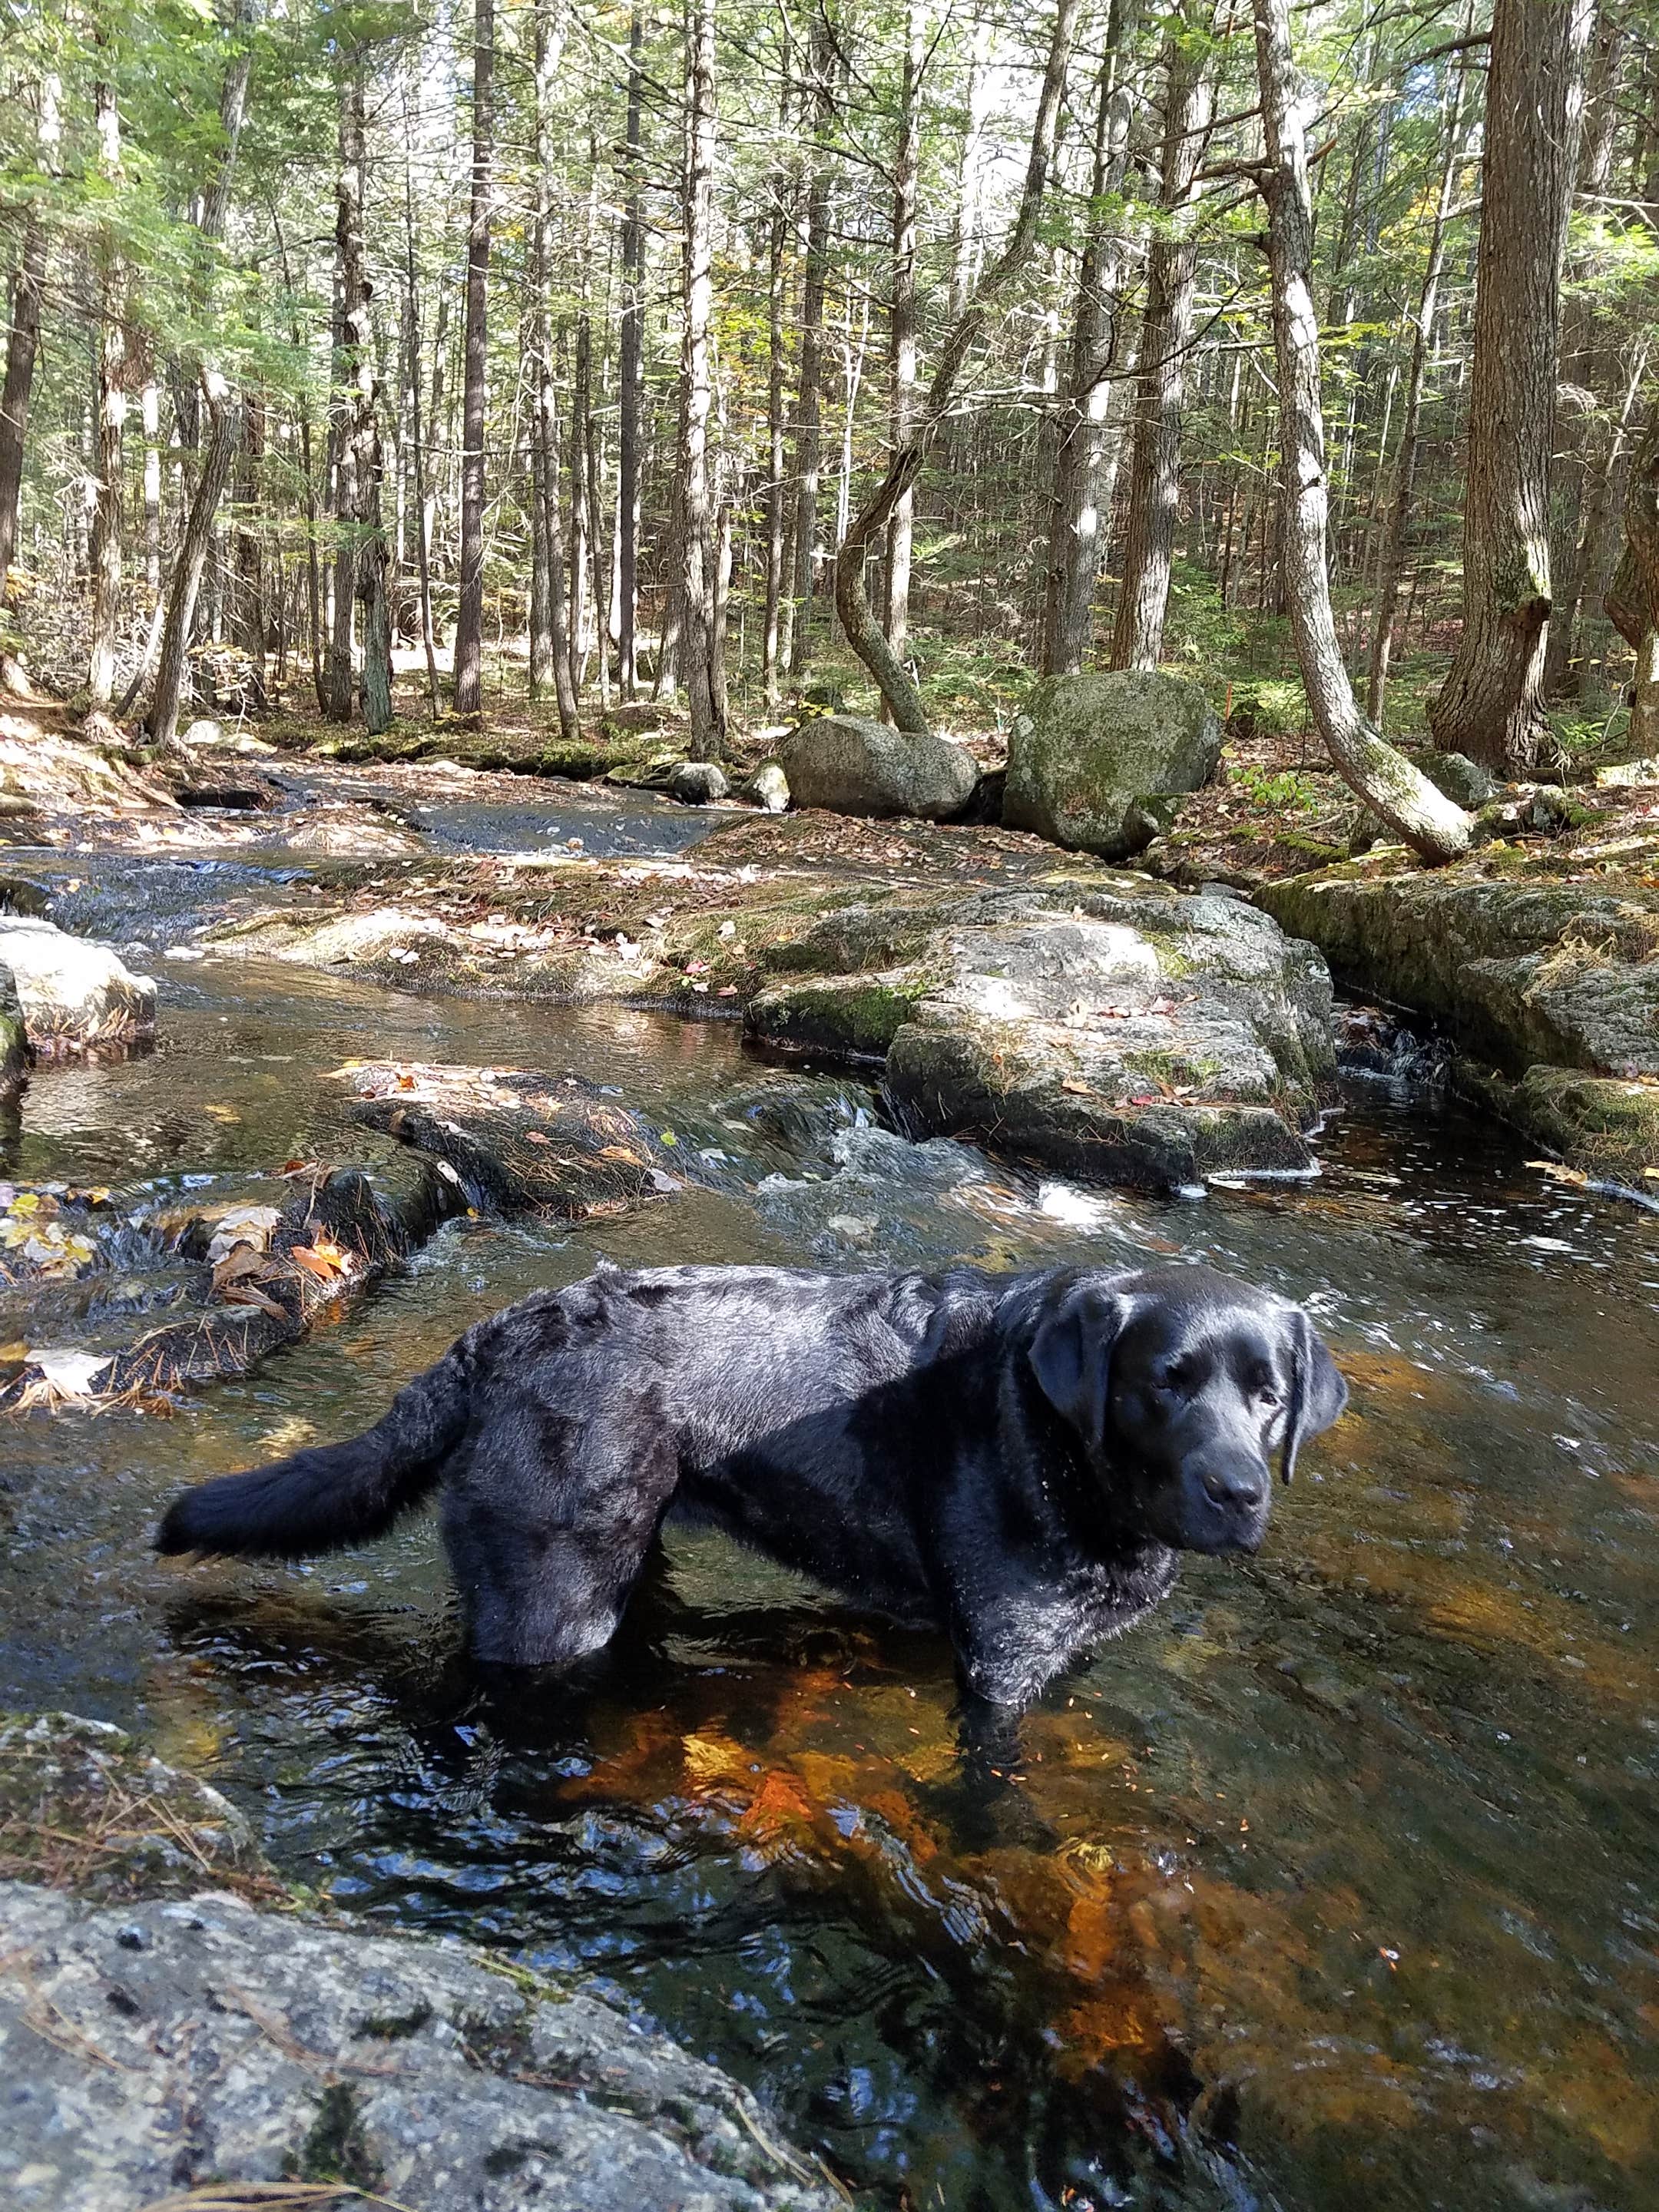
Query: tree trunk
x,y
152,416
1405,487
581,516
902,348
1491,706
417,443
249,566
25,339
1387,783
809,398
776,386
111,414
632,351
899,692
163,719
548,536
703,683
351,366
1082,492
1161,388
469,614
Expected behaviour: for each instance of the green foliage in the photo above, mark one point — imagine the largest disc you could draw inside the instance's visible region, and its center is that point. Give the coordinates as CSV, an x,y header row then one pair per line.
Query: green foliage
x,y
1285,792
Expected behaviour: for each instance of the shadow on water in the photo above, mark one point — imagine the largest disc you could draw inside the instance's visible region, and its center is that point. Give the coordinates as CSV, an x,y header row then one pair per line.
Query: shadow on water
x,y
1332,1886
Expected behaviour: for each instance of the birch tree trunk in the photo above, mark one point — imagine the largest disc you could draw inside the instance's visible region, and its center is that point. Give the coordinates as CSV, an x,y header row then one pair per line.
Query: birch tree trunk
x,y
705,691
469,613
900,695
1385,779
1491,704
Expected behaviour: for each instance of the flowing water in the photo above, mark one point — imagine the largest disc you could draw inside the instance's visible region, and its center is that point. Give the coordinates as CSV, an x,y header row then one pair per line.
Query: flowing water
x,y
1335,1885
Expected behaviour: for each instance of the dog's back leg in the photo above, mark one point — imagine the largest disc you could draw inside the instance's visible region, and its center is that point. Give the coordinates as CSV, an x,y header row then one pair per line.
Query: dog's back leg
x,y
545,1555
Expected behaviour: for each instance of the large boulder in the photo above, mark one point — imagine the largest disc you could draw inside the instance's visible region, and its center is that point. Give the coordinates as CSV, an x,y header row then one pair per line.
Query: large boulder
x,y
73,992
1087,750
1133,1035
854,767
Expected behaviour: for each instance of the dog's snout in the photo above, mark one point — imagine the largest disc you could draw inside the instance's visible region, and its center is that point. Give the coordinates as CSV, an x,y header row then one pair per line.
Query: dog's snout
x,y
1240,1484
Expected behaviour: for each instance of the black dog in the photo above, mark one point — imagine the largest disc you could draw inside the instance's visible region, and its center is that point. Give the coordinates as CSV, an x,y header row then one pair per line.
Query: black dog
x,y
1014,1459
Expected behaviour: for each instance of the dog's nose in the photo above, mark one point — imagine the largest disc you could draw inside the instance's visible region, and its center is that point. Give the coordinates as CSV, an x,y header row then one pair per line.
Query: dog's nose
x,y
1239,1485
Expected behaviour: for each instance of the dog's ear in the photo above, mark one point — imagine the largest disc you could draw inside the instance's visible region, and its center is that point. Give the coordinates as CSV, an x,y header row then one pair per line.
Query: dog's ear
x,y
1071,1356
1318,1394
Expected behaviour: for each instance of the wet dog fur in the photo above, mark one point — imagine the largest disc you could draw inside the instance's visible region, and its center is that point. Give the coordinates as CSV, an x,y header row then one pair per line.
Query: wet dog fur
x,y
1015,1460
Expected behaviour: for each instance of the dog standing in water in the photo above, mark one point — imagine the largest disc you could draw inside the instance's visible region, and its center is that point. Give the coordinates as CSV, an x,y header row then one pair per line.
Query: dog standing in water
x,y
1016,1460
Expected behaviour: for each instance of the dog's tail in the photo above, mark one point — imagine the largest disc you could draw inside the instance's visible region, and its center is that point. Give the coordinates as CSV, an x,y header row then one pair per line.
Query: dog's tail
x,y
333,1495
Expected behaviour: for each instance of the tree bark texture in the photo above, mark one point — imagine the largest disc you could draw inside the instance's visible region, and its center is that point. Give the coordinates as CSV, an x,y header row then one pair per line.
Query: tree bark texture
x,y
223,432
1161,388
548,532
631,337
24,341
354,387
1082,488
705,693
1491,704
808,399
469,613
1385,780
901,346
111,406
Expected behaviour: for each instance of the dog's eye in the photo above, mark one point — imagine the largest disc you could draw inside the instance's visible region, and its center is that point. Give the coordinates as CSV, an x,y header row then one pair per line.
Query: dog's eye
x,y
1266,1393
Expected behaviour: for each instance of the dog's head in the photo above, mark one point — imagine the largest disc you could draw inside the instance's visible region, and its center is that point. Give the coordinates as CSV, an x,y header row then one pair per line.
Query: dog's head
x,y
1182,1385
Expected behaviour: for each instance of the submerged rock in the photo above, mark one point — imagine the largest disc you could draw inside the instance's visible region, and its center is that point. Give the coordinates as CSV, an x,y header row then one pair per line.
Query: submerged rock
x,y
241,1270
73,992
1089,758
1137,1036
1546,983
850,766
198,2035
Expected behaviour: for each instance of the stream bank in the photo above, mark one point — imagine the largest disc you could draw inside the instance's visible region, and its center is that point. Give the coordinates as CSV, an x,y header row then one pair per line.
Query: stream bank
x,y
171,2013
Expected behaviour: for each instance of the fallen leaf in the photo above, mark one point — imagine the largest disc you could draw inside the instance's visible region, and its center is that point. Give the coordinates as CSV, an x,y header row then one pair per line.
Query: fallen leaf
x,y
1070,1082
70,1374
536,1137
314,1259
250,1294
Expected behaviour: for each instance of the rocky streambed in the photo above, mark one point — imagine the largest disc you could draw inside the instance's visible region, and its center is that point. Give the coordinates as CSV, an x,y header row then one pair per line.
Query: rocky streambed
x,y
1325,1889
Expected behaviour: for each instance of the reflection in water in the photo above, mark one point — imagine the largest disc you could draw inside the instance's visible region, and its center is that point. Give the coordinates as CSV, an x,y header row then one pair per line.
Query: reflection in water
x,y
1332,1885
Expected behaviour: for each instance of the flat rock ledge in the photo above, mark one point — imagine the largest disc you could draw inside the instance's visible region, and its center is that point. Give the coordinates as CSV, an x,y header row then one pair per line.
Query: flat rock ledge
x,y
1097,1021
1133,1037
1550,991
164,2040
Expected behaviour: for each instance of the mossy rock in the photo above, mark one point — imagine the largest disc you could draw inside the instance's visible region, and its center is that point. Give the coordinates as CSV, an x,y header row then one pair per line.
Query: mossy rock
x,y
1090,756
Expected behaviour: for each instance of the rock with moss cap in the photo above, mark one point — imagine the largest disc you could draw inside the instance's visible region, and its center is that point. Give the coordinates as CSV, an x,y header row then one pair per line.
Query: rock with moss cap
x,y
13,1049
1090,758
1134,1036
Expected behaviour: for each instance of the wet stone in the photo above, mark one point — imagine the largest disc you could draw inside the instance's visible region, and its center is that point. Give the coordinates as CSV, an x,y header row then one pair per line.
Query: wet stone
x,y
302,2051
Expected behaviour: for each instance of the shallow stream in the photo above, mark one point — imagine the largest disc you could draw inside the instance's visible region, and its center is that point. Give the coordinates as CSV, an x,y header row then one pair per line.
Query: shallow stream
x,y
1336,1885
